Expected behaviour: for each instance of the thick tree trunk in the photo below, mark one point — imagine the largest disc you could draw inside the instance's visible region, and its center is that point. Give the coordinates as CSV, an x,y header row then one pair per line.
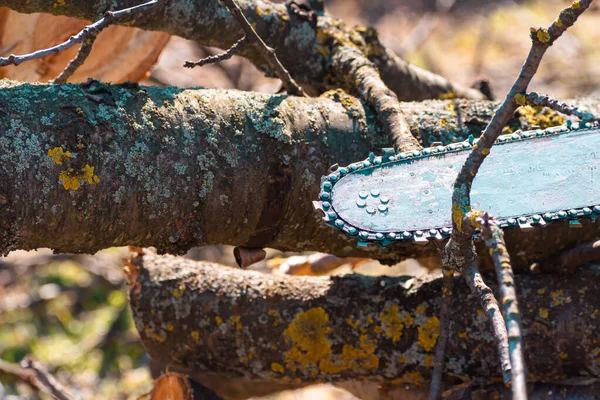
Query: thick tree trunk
x,y
303,48
85,167
217,320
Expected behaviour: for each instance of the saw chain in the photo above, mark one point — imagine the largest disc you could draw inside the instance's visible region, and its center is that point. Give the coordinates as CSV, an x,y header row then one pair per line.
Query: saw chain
x,y
530,179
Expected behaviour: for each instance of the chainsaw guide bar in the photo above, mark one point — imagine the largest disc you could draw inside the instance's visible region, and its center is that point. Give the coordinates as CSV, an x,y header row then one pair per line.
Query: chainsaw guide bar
x,y
529,179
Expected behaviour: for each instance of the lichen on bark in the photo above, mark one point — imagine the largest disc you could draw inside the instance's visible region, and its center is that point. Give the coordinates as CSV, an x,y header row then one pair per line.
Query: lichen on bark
x,y
337,329
181,168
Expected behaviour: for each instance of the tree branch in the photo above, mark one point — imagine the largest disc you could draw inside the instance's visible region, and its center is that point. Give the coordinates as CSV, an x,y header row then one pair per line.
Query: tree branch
x,y
300,47
213,319
546,101
490,306
494,240
218,57
45,379
435,388
168,163
362,75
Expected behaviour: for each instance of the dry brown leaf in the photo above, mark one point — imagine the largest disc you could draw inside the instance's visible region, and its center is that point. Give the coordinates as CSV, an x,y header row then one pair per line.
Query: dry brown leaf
x,y
119,54
171,386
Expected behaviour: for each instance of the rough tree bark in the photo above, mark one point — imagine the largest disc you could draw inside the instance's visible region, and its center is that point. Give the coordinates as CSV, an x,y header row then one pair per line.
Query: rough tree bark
x,y
176,168
282,27
279,329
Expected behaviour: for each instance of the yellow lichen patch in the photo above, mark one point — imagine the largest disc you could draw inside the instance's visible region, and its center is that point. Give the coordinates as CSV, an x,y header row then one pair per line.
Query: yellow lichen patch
x,y
451,107
559,298
413,377
196,336
563,355
447,96
558,23
350,321
87,173
352,358
58,3
485,151
428,361
542,290
421,309
397,381
72,179
178,291
170,327
576,4
235,322
541,116
308,332
474,218
520,99
428,333
543,35
69,179
154,336
402,359
218,320
277,367
58,155
458,214
463,335
275,314
542,312
393,323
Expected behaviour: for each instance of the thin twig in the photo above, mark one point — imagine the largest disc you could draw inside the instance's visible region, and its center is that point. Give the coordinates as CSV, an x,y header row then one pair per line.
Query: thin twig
x,y
494,240
535,99
82,55
15,370
218,57
82,37
267,52
440,349
492,310
46,379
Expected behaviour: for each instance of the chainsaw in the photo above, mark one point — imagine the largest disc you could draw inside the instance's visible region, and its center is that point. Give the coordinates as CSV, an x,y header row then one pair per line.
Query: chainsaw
x,y
529,180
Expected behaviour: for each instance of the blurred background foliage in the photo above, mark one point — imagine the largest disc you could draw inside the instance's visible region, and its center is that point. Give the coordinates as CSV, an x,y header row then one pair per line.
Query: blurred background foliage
x,y
70,311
